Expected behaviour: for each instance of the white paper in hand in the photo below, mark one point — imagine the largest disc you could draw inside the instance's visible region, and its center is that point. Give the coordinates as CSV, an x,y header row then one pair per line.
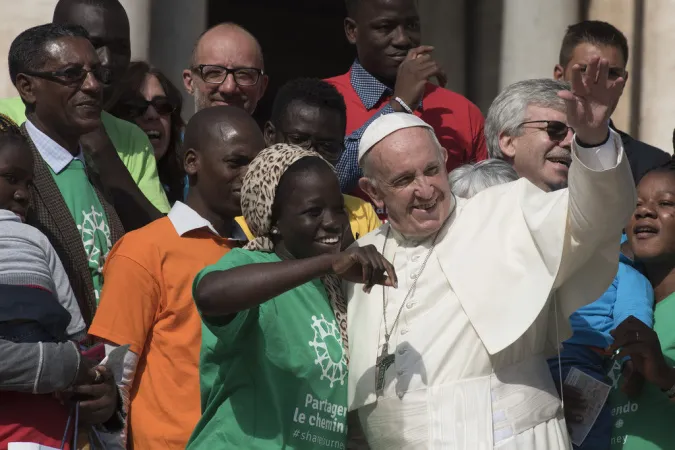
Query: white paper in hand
x,y
595,394
115,361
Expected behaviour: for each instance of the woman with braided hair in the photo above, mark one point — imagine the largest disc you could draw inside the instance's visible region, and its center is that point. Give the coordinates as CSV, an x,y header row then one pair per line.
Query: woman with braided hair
x,y
274,351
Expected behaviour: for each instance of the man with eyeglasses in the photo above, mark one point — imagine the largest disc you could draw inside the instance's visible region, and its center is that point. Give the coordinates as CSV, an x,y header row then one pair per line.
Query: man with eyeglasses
x,y
311,113
59,77
117,150
527,127
226,68
593,38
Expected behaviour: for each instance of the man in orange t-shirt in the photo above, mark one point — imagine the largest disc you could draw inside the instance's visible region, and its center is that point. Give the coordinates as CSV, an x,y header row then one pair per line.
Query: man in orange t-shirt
x,y
147,299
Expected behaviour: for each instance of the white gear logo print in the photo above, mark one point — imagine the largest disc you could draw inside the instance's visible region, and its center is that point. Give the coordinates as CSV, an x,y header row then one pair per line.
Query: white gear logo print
x,y
332,370
93,222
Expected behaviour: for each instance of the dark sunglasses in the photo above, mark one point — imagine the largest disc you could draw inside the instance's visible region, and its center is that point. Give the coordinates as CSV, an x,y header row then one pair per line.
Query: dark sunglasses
x,y
137,107
556,130
74,76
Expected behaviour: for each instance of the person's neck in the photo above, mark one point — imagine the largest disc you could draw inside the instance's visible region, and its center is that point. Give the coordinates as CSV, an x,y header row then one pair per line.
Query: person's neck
x,y
223,225
662,278
70,142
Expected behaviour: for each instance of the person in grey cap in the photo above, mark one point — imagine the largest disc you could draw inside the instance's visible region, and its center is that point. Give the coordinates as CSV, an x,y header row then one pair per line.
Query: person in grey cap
x,y
455,357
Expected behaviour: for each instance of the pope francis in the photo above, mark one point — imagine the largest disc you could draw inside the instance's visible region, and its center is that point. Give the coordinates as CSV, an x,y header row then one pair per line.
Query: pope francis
x,y
455,356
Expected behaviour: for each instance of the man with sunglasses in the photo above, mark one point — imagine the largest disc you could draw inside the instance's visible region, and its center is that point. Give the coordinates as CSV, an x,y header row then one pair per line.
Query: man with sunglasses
x,y
226,68
117,150
593,38
311,113
59,77
527,126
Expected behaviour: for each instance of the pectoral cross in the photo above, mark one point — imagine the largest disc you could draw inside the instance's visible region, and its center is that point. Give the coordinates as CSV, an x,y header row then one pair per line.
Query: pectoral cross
x,y
382,364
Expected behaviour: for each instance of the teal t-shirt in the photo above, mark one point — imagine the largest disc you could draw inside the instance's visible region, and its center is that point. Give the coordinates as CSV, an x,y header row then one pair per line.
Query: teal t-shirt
x,y
276,375
89,217
646,422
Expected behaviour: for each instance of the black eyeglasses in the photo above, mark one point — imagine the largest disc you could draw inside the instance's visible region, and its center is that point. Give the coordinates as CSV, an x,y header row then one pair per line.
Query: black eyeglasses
x,y
137,107
331,149
74,76
243,76
556,130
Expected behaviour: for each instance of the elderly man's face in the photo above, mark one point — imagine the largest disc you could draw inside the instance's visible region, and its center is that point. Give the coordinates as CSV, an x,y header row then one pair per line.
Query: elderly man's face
x,y
66,93
537,154
409,178
231,48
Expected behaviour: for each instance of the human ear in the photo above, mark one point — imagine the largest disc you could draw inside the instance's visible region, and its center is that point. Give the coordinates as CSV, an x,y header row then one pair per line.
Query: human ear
x,y
351,30
368,186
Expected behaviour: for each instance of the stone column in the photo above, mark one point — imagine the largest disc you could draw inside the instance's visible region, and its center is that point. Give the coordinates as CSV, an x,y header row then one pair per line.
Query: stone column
x,y
531,37
175,27
139,23
657,105
14,19
443,26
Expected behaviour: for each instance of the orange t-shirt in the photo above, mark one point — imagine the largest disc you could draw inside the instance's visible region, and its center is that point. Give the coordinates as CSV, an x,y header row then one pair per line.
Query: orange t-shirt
x,y
147,303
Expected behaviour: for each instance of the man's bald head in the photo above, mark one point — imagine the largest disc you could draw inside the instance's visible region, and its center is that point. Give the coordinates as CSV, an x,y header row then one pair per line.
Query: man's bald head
x,y
220,142
227,46
228,32
107,23
219,123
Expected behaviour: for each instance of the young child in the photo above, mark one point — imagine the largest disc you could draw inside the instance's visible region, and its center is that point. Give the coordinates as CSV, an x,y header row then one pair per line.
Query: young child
x,y
37,305
26,256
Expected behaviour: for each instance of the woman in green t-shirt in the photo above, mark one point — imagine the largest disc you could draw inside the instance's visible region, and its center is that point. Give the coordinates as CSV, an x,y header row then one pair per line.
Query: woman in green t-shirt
x,y
644,419
273,367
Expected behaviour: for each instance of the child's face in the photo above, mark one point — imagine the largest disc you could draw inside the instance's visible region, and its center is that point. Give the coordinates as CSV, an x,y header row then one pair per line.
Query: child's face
x,y
16,175
651,230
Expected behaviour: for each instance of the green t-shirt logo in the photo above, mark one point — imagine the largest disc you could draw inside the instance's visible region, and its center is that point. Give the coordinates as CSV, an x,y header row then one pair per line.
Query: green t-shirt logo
x,y
330,354
92,229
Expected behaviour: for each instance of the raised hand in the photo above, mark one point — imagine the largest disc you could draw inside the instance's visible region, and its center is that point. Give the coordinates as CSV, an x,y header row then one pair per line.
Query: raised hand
x,y
413,74
591,100
365,265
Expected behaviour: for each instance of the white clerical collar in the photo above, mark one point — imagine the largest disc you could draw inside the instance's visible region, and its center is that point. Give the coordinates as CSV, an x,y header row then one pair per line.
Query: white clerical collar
x,y
54,154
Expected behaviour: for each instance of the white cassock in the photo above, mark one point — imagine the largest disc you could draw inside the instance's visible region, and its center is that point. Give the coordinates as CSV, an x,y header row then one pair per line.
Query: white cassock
x,y
493,302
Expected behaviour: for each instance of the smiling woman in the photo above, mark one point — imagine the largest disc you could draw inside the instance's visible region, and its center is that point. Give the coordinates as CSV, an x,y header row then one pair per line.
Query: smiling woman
x,y
274,314
146,97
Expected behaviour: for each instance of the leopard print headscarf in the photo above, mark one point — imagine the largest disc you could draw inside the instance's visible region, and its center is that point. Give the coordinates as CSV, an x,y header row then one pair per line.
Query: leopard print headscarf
x,y
258,191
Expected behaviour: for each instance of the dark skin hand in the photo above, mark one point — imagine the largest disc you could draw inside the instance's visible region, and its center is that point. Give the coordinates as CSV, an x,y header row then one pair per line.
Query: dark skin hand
x,y
266,281
98,399
636,340
133,208
413,74
633,380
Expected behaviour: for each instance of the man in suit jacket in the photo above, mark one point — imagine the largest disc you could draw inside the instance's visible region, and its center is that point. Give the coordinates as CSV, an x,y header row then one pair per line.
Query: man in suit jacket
x,y
58,75
459,360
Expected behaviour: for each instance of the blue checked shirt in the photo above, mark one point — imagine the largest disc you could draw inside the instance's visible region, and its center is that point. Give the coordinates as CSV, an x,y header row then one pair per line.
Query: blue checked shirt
x,y
370,90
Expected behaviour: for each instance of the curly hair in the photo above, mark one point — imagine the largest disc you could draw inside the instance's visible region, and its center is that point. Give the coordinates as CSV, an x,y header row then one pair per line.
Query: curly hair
x,y
9,130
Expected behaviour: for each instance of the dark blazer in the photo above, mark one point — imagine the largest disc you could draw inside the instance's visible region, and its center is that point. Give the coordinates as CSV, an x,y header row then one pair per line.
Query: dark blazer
x,y
642,157
49,213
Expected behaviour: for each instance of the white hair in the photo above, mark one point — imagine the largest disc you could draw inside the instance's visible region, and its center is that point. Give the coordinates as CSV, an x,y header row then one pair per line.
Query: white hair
x,y
507,111
469,179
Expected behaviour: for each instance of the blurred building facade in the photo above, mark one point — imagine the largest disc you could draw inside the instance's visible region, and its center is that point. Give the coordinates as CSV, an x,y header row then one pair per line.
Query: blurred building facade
x,y
484,45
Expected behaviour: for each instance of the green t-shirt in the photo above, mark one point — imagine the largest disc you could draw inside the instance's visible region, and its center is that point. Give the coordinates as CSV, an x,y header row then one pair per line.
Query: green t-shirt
x,y
646,423
131,143
89,216
276,375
